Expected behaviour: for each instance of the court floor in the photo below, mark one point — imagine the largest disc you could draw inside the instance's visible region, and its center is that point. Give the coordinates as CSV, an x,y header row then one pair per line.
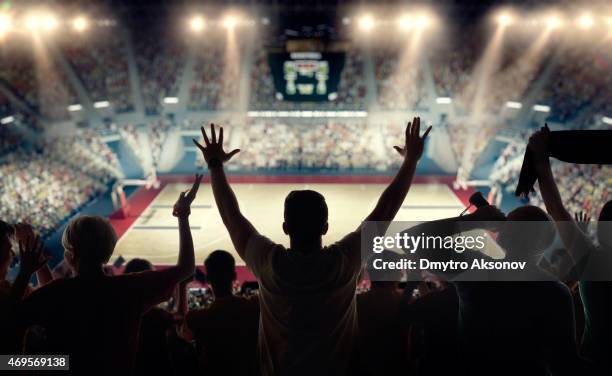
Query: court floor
x,y
154,235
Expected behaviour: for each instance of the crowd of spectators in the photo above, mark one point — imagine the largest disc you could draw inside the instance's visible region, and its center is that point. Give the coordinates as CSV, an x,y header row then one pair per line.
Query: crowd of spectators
x,y
45,184
399,79
207,82
581,186
160,59
322,144
100,61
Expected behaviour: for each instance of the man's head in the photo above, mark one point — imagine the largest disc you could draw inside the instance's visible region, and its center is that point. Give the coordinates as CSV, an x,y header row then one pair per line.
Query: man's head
x,y
138,265
527,232
305,216
89,242
7,234
220,271
604,226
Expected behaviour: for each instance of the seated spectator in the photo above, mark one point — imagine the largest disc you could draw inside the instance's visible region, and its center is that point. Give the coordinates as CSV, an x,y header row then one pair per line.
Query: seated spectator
x,y
228,327
92,317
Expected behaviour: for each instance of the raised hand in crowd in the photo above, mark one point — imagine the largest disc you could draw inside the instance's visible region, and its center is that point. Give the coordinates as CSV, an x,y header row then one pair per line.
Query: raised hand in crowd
x,y
582,219
213,151
413,147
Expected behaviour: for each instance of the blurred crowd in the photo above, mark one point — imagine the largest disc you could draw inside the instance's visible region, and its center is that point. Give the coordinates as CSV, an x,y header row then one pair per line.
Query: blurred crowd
x,y
45,184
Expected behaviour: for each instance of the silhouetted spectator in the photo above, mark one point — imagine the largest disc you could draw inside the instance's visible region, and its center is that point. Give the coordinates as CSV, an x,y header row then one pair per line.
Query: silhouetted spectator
x,y
95,318
229,326
308,313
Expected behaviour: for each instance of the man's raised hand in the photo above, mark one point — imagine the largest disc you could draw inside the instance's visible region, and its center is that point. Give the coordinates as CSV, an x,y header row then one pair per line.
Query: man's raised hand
x,y
213,149
31,250
413,147
182,207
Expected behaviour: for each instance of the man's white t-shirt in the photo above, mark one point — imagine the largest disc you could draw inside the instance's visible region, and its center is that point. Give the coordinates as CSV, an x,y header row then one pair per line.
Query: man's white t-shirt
x,y
308,322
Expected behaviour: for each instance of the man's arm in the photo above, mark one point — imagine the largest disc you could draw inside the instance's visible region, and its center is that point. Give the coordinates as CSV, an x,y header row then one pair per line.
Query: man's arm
x,y
576,242
393,196
239,228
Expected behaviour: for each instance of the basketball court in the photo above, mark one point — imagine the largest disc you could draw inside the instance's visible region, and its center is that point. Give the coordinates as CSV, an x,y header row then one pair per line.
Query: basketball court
x,y
150,231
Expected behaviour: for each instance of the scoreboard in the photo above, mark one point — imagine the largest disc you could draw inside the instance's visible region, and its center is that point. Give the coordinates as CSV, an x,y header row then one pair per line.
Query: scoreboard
x,y
306,76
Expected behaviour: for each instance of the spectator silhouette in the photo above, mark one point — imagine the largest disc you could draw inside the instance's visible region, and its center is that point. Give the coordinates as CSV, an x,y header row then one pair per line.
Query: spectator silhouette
x,y
529,327
383,332
593,263
307,292
92,317
153,354
229,326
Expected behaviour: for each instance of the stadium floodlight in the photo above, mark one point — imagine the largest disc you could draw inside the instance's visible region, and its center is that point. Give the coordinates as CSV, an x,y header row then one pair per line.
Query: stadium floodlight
x,y
423,21
7,120
443,100
607,120
585,21
366,23
514,105
5,24
196,23
80,23
504,19
101,104
171,100
346,21
541,108
230,22
75,107
553,22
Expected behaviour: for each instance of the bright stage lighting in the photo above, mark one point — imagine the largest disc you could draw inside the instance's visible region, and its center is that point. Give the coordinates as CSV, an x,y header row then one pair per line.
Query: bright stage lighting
x,y
423,21
5,24
553,22
366,23
504,19
80,23
585,21
230,22
196,23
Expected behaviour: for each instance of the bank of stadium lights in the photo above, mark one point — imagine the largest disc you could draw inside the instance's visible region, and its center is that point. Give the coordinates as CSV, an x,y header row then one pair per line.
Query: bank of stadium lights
x,y
80,23
514,105
541,108
444,100
230,22
7,120
171,100
553,22
408,22
504,19
197,23
5,24
75,107
585,21
366,22
101,104
41,21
